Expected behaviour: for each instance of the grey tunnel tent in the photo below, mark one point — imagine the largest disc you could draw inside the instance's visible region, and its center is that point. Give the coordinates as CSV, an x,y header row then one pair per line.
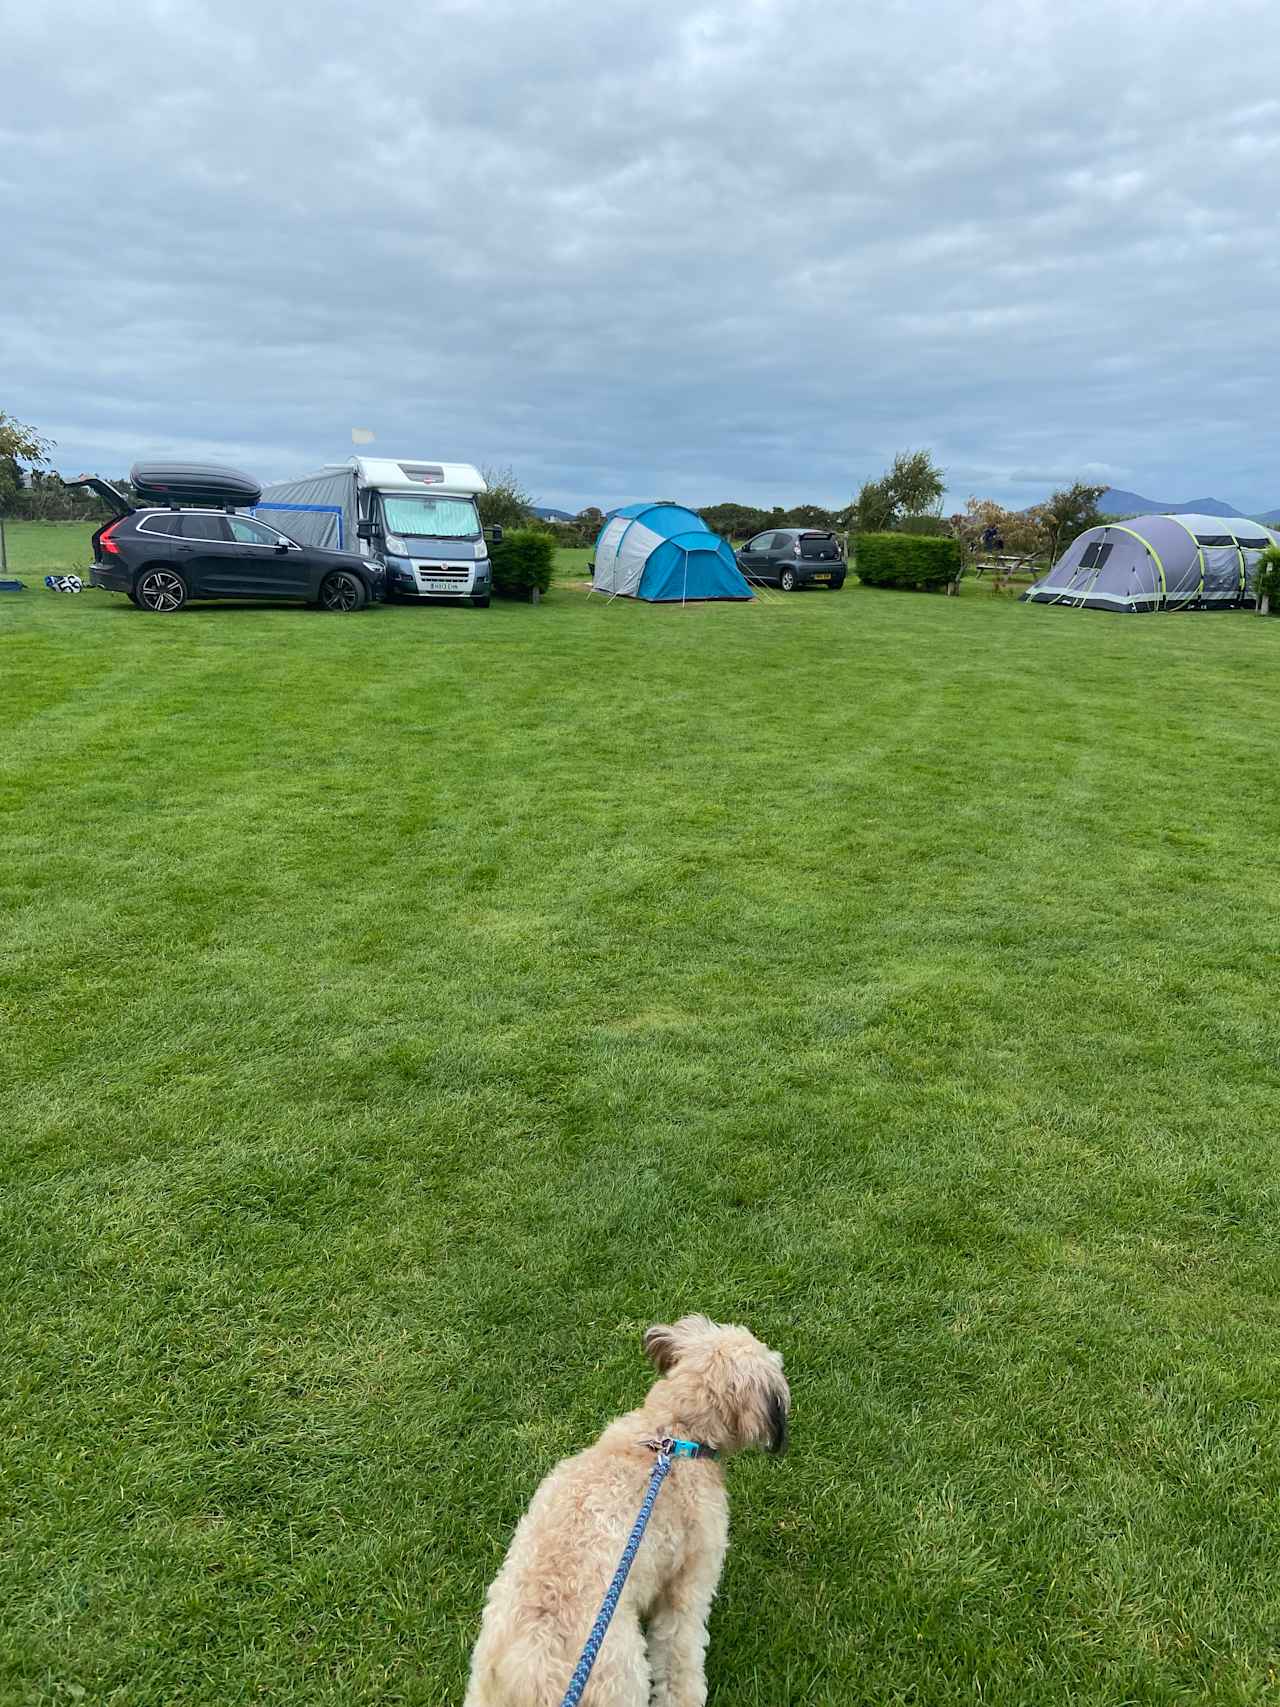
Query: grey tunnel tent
x,y
1149,563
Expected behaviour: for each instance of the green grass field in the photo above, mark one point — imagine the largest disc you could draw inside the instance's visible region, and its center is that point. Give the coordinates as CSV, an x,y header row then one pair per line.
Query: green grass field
x,y
401,1011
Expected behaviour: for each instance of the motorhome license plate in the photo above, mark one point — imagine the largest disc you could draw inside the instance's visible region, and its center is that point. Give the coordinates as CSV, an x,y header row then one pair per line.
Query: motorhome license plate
x,y
443,587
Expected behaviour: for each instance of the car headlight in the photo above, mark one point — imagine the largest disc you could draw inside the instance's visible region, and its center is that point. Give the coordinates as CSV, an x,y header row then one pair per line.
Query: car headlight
x,y
396,544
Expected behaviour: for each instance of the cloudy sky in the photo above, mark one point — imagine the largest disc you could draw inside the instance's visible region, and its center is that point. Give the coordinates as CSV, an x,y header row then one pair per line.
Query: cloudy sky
x,y
652,248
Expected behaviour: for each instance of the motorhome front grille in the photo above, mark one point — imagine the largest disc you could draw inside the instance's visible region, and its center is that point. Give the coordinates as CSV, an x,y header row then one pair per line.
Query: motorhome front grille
x,y
429,573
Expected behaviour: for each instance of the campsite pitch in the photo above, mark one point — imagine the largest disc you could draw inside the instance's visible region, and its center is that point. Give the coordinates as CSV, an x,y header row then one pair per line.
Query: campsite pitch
x,y
399,1014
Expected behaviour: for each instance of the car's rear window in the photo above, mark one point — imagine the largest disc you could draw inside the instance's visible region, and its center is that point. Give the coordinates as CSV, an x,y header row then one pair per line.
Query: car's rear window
x,y
814,544
198,524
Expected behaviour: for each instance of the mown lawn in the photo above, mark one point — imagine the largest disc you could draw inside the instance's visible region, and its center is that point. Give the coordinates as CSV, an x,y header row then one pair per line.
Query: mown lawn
x,y
401,1011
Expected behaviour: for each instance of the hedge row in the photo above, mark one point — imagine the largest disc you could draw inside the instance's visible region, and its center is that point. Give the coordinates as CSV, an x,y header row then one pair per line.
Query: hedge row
x,y
908,560
522,560
1267,579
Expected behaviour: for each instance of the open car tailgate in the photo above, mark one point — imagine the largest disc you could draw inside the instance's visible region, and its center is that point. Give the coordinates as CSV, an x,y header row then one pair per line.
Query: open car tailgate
x,y
104,489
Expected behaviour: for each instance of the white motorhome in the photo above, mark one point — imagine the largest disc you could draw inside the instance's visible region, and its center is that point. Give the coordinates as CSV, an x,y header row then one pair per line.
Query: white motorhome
x,y
419,519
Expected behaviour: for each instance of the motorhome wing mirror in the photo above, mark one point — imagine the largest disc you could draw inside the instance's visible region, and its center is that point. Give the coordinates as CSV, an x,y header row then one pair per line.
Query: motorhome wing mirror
x,y
364,530
495,533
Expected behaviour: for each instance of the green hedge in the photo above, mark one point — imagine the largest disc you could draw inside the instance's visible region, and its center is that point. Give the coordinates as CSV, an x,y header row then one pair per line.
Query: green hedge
x,y
522,560
907,560
1267,578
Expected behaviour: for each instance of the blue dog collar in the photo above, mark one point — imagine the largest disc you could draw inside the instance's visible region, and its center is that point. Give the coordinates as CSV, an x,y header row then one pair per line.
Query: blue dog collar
x,y
670,1447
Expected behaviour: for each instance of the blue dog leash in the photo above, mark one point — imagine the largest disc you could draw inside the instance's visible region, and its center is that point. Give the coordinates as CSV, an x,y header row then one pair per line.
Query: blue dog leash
x,y
668,1449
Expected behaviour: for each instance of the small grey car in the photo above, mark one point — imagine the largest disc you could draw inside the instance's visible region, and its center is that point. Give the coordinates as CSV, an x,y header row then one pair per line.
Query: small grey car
x,y
794,557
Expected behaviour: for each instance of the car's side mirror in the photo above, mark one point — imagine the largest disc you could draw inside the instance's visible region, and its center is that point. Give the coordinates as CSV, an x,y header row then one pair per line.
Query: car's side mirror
x,y
283,544
495,533
364,530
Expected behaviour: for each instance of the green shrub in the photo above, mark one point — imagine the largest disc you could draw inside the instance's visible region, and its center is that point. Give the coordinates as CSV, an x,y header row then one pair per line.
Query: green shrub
x,y
1266,584
522,560
907,560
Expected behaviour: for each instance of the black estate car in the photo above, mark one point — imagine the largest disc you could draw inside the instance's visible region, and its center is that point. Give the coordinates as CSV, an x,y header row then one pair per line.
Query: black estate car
x,y
794,557
165,555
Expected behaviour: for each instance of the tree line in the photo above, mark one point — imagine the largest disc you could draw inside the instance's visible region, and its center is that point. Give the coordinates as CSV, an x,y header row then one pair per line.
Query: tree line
x,y
907,497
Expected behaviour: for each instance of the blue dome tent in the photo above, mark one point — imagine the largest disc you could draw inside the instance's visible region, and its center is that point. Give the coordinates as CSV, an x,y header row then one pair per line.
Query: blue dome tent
x,y
663,552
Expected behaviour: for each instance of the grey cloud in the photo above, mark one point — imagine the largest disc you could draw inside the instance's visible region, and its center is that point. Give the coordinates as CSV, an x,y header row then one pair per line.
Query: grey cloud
x,y
744,250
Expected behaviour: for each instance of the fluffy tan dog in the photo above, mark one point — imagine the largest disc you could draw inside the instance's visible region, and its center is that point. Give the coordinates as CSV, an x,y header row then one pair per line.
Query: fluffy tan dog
x,y
720,1387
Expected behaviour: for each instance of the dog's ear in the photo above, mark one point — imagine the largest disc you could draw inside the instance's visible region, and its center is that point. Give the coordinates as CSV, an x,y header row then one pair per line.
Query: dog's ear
x,y
757,1403
664,1346
777,1413
660,1346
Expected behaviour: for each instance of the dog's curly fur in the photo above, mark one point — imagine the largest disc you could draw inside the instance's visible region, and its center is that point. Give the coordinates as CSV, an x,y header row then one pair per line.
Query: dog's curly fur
x,y
719,1385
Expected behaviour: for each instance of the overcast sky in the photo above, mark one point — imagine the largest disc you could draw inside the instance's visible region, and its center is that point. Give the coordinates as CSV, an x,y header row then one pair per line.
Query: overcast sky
x,y
649,248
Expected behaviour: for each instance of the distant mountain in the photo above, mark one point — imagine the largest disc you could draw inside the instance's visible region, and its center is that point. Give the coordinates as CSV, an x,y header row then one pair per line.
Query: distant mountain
x,y
1114,502
554,515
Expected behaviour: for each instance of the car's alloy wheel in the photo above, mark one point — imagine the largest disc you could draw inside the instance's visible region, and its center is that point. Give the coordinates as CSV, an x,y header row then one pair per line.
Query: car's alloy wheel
x,y
160,590
787,580
342,591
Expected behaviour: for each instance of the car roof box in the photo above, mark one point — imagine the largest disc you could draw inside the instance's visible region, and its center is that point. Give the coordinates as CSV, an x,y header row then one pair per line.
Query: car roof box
x,y
193,483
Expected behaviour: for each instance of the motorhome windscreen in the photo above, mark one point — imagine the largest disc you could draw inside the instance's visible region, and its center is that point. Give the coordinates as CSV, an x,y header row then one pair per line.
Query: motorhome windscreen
x,y
428,517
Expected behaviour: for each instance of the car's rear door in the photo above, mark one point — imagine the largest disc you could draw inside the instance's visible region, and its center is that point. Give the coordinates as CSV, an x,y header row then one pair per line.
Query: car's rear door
x,y
273,567
820,554
208,557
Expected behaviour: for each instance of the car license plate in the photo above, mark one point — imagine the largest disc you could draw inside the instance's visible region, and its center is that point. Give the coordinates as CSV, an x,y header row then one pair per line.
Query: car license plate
x,y
443,587
823,575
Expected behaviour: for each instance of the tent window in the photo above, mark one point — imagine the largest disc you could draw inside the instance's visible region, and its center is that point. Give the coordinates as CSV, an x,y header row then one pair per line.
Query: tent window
x,y
1095,555
1253,544
1215,539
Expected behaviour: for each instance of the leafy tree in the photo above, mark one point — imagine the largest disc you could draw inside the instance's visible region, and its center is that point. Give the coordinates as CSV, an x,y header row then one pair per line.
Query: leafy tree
x,y
22,443
811,516
913,485
1069,513
18,444
506,504
740,521
585,527
1021,530
734,521
874,509
10,484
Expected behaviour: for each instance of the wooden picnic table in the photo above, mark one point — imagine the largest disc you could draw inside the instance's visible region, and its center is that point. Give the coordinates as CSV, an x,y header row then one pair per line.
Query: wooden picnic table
x,y
1004,566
